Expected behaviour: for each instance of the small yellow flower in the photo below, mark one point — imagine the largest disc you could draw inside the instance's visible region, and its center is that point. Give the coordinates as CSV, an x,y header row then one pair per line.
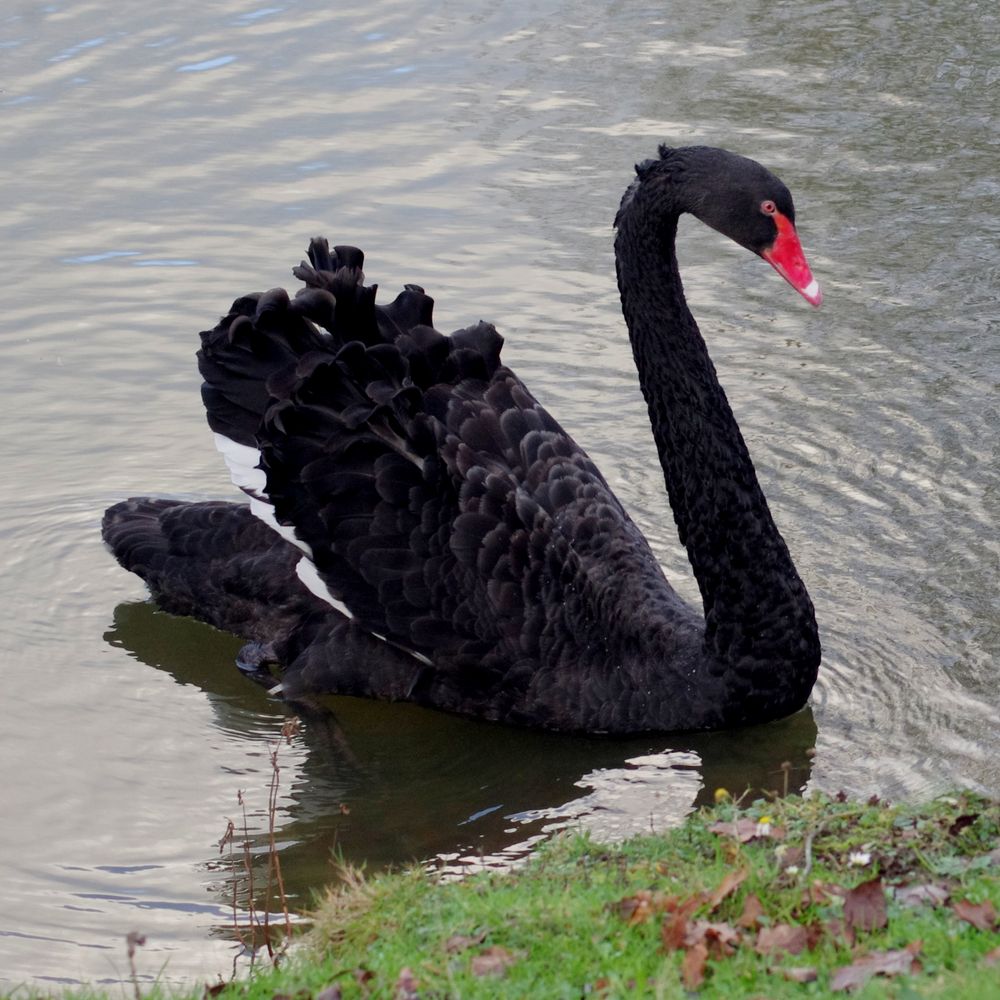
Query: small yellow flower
x,y
721,794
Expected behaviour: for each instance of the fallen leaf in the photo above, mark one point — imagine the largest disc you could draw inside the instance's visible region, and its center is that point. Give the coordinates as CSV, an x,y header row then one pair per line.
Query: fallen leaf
x,y
782,937
753,910
742,829
675,924
992,957
836,928
822,892
673,932
406,985
727,887
494,961
745,829
638,908
331,992
878,963
918,895
216,988
814,933
799,974
693,966
790,857
460,942
634,909
982,916
720,939
864,906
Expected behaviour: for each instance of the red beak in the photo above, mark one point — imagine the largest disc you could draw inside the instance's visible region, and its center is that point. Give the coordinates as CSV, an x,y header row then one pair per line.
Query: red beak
x,y
786,257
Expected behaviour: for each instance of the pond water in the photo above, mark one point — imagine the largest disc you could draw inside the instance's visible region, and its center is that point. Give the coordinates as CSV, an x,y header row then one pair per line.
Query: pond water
x,y
161,159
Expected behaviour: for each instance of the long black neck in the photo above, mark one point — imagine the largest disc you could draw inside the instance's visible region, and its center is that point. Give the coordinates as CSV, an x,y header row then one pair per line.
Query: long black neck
x,y
756,607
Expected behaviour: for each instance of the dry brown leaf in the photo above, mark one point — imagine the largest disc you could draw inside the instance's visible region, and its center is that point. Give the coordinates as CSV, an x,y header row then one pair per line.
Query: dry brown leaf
x,y
674,904
494,961
693,966
918,895
982,916
790,857
675,924
798,974
460,942
878,963
864,906
753,910
406,985
741,829
745,830
815,930
836,928
992,957
727,887
638,908
821,893
791,938
635,909
331,992
719,938
673,932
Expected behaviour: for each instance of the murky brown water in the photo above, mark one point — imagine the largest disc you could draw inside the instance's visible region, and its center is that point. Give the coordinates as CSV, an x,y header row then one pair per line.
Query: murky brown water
x,y
159,159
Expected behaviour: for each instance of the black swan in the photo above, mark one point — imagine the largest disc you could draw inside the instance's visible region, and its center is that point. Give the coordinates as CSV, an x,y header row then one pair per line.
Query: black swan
x,y
421,529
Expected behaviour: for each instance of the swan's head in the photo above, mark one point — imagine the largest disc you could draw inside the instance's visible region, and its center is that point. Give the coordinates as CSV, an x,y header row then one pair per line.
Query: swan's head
x,y
747,203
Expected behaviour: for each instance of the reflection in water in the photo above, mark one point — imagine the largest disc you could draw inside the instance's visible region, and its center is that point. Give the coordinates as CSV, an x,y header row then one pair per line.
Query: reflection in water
x,y
389,784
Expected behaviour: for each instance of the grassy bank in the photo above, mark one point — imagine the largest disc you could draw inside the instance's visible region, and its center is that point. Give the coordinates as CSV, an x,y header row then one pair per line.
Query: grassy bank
x,y
788,898
792,898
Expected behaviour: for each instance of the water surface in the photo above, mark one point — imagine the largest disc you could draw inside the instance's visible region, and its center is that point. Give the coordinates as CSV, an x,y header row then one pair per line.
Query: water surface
x,y
158,161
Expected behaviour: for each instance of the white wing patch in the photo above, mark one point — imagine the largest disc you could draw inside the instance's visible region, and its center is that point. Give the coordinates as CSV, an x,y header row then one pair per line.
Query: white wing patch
x,y
244,465
306,571
245,471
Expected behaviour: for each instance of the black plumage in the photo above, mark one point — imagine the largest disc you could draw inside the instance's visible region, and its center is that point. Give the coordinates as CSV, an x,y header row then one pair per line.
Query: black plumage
x,y
473,557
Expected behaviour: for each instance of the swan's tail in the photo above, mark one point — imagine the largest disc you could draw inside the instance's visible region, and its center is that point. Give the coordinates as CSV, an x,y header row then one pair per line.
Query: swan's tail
x,y
218,563
213,561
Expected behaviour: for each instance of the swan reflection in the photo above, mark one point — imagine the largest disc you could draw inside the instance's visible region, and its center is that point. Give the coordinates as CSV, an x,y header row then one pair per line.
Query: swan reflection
x,y
388,784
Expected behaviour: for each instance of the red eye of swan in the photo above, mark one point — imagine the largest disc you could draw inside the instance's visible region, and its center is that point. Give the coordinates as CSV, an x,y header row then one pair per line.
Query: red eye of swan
x,y
768,207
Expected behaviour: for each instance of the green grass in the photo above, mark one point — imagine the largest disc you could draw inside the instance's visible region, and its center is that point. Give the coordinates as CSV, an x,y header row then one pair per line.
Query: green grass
x,y
586,920
572,923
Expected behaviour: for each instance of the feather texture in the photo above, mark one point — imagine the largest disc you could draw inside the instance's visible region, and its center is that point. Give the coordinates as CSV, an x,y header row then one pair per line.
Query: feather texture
x,y
447,542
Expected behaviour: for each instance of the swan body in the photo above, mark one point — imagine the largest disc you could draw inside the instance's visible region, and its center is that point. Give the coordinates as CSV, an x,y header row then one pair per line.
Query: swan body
x,y
421,529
